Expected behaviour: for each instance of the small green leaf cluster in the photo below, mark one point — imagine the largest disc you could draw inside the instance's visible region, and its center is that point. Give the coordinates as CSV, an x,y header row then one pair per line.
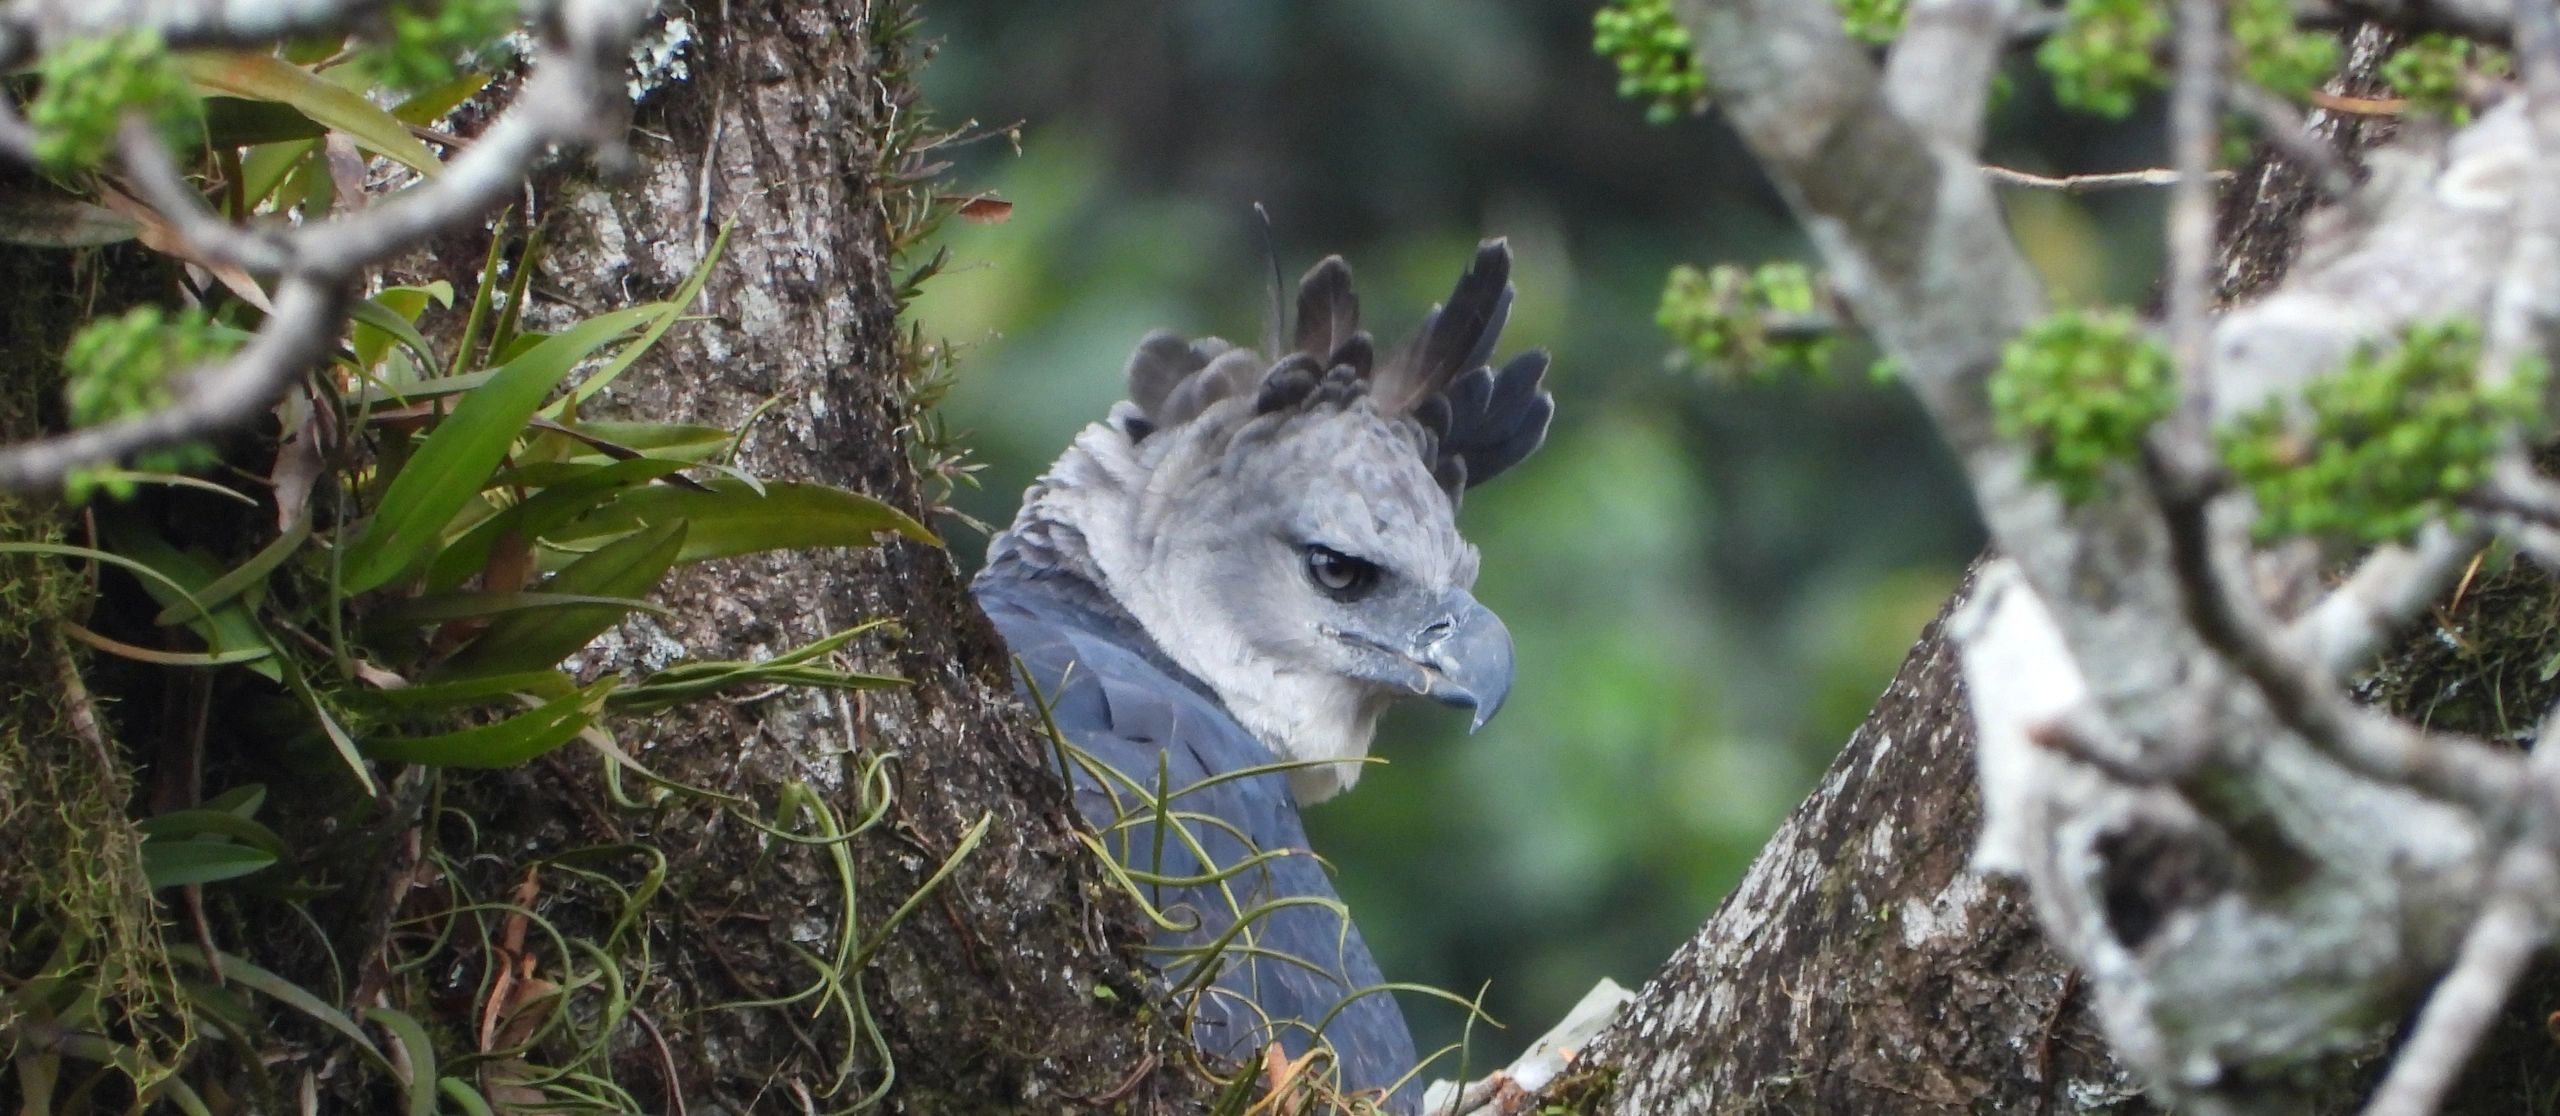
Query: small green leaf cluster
x,y
2392,440
2102,60
2080,388
1874,22
88,85
1759,324
2276,54
429,47
122,366
2429,71
1657,61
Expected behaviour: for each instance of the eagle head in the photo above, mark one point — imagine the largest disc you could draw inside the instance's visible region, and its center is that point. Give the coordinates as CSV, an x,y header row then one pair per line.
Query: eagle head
x,y
1285,529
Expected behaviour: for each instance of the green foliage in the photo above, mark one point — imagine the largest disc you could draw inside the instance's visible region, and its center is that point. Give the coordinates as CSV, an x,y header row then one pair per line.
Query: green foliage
x,y
431,41
1657,62
2391,441
2430,71
1874,22
89,84
2080,388
1761,324
2275,53
123,366
2103,58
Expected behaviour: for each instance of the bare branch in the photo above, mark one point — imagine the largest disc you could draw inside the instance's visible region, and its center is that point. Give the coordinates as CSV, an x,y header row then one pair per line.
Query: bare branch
x,y
2510,929
211,400
2088,183
183,23
572,97
2235,624
2392,587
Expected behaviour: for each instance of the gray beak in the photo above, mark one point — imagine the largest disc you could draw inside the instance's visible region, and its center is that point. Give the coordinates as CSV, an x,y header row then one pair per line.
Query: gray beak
x,y
1466,658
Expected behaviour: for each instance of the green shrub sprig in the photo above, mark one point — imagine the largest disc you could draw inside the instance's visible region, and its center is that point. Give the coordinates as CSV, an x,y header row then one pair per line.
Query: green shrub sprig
x,y
1657,62
2080,388
2391,442
1757,324
89,84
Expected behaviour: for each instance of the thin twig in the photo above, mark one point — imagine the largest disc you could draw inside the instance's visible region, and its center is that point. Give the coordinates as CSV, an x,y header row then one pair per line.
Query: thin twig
x,y
2088,183
2233,623
2392,587
572,98
2501,943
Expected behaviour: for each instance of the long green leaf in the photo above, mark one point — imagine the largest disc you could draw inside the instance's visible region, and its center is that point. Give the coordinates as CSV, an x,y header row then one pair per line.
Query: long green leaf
x,y
568,490
628,567
232,584
422,1056
729,518
451,465
177,825
241,970
173,863
173,577
437,608
265,77
508,742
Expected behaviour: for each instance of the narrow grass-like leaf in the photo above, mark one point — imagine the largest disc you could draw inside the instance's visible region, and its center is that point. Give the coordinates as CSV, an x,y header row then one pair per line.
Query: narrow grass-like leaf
x,y
539,684
729,519
450,466
240,578
436,608
623,569
123,650
631,354
329,726
269,78
173,863
506,743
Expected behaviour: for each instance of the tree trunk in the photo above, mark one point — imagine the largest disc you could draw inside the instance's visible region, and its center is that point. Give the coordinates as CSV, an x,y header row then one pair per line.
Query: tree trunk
x,y
1015,983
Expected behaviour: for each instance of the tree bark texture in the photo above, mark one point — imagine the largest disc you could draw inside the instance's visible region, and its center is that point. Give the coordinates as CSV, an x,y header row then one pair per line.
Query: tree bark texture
x,y
999,973
1014,985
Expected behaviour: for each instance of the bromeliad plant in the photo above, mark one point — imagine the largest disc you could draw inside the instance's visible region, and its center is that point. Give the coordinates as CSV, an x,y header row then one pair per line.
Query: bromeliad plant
x,y
436,525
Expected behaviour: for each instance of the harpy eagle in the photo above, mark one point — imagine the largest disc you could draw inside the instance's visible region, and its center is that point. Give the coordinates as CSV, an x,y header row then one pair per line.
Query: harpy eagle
x,y
1218,589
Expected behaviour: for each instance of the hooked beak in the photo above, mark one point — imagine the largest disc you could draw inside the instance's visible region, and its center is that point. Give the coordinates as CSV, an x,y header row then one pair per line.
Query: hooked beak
x,y
1465,656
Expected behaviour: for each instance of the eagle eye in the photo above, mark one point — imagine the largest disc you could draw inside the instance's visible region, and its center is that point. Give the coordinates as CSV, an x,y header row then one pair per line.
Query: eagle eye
x,y
1340,575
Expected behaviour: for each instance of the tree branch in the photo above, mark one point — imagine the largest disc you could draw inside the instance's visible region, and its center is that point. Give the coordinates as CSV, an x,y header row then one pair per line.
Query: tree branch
x,y
572,98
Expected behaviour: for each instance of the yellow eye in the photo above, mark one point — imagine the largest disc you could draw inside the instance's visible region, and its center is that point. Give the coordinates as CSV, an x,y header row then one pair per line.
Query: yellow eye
x,y
1339,574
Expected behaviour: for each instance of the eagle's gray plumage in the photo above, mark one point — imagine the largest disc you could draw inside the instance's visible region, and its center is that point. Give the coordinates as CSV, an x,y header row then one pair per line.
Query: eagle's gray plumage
x,y
1240,568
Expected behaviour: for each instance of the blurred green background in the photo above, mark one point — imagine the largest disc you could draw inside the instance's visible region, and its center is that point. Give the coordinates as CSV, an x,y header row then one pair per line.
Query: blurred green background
x,y
1709,583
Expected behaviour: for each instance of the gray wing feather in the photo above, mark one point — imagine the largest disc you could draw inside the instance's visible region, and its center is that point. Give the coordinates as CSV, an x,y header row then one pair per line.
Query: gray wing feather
x,y
1116,703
